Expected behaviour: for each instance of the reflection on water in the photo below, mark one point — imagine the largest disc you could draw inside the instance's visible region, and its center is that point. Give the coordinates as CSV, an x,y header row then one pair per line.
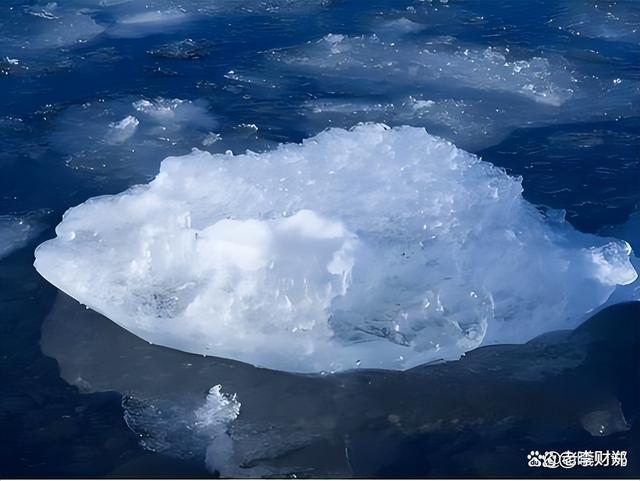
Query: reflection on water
x,y
565,389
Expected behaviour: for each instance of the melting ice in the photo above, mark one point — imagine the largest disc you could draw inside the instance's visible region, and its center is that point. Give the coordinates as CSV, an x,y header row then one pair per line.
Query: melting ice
x,y
370,247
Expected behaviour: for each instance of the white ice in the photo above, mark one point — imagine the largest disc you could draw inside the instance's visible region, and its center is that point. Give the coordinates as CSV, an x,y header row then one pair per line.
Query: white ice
x,y
373,247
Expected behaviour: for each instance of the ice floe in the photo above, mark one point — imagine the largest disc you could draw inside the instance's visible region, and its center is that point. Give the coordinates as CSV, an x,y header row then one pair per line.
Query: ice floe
x,y
471,94
487,69
372,247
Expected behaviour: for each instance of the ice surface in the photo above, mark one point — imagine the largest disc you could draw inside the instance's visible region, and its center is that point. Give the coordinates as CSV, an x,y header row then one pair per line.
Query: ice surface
x,y
375,247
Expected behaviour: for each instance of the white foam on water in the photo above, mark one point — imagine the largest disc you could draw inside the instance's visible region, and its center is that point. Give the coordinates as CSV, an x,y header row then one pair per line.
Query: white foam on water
x,y
373,247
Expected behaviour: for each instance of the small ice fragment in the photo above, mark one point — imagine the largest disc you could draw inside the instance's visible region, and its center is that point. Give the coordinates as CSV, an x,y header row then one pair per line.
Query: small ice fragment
x,y
122,130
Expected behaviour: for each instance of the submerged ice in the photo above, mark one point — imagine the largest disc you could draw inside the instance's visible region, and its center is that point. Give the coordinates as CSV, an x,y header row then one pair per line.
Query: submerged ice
x,y
16,231
410,63
370,247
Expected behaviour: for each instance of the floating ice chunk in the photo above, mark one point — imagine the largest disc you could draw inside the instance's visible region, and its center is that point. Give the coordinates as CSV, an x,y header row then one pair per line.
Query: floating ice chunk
x,y
387,247
487,69
467,84
43,11
210,139
347,107
148,21
397,27
153,17
176,112
122,130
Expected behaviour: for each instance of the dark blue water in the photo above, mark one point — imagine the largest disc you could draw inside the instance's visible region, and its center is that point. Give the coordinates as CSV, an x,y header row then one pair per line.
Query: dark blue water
x,y
68,71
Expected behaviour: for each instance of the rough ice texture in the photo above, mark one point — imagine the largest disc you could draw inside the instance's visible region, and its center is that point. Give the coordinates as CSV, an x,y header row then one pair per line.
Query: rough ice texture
x,y
373,247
